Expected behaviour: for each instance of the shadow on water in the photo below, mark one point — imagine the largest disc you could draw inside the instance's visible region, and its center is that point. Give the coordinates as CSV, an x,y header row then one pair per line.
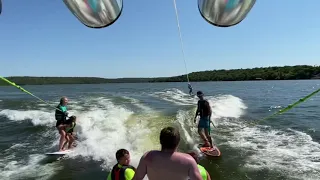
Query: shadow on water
x,y
51,159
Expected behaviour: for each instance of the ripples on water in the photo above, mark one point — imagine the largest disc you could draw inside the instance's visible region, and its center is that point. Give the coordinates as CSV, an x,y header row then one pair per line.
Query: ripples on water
x,y
130,116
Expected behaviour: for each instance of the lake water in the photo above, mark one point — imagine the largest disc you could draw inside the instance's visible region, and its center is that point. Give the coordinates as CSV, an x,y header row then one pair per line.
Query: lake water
x,y
113,116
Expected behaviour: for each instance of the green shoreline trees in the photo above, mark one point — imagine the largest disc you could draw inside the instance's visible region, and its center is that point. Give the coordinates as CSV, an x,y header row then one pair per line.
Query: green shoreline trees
x,y
264,73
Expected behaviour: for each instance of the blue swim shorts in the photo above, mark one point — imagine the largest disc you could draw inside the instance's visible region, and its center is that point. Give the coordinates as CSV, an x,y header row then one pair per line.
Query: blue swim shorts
x,y
204,122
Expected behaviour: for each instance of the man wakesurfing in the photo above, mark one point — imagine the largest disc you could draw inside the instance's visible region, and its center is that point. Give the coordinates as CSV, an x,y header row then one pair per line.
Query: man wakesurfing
x,y
204,110
190,89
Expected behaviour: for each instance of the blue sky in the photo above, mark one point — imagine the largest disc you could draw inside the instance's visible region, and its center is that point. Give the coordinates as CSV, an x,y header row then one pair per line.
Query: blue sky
x,y
42,38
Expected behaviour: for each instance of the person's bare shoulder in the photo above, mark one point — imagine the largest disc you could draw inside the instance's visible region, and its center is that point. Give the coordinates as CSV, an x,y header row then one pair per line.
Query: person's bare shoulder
x,y
184,154
150,153
186,157
147,156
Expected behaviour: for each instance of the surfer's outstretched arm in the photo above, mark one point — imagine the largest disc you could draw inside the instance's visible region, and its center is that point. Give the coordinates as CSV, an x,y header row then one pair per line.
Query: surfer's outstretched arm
x,y
141,169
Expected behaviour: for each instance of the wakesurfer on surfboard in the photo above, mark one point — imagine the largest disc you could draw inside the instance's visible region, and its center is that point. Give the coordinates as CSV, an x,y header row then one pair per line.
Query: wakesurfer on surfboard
x,y
70,136
204,111
190,89
61,117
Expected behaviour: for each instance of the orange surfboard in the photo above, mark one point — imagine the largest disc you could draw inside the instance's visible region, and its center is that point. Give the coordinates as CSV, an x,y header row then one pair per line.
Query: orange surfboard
x,y
213,152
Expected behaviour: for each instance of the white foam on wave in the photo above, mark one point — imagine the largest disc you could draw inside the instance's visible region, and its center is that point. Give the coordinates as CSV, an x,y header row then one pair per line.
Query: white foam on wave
x,y
292,152
226,106
20,168
176,96
138,104
73,105
29,168
37,117
223,107
275,107
17,146
47,104
183,118
103,131
101,127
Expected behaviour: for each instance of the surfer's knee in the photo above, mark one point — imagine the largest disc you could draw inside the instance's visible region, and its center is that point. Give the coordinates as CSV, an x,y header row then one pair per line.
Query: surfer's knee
x,y
200,130
71,137
206,132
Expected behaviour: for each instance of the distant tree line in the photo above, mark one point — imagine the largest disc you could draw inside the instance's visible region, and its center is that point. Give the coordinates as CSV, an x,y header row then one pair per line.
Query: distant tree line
x,y
264,73
27,80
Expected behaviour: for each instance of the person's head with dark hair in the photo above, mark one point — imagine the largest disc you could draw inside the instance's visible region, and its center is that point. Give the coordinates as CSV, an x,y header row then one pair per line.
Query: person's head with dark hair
x,y
73,118
200,95
123,157
169,138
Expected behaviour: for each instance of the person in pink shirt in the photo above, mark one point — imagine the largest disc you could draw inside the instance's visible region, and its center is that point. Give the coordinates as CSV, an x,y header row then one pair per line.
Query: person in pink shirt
x,y
167,164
